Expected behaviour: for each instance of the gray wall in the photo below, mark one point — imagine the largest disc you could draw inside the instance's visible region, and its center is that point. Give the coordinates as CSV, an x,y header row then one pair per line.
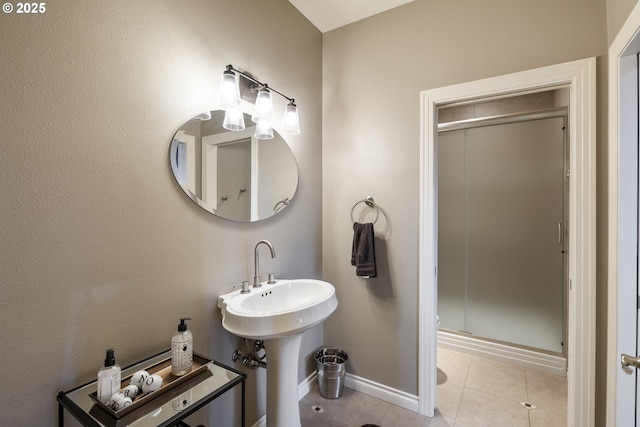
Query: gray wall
x,y
373,72
99,246
617,13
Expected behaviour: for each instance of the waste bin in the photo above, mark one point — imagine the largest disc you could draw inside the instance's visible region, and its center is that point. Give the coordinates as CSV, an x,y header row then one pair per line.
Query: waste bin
x,y
331,368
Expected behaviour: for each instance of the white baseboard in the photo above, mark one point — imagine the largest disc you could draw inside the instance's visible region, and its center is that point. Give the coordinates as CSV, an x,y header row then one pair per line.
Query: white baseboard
x,y
503,353
382,392
307,385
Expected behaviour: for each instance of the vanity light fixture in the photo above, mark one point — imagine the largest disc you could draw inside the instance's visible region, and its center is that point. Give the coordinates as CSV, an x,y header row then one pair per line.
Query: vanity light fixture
x,y
229,100
290,121
253,90
263,111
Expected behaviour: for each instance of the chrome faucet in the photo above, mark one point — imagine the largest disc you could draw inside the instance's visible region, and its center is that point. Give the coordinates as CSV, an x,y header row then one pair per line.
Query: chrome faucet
x,y
256,278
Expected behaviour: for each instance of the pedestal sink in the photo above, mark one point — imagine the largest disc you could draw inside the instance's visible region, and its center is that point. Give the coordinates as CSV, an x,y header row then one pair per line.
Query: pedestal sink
x,y
278,314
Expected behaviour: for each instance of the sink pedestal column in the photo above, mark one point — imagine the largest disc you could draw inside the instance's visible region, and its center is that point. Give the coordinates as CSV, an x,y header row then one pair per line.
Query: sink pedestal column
x,y
283,355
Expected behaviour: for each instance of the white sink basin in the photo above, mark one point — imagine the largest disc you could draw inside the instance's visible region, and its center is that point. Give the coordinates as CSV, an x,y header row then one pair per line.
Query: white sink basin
x,y
278,313
277,310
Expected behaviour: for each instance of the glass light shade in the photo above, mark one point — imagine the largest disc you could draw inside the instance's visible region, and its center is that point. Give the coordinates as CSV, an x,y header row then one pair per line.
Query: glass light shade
x,y
233,119
290,121
203,116
228,92
263,110
263,130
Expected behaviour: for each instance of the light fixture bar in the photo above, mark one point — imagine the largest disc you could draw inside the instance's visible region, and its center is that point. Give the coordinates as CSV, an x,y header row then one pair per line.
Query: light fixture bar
x,y
259,83
263,111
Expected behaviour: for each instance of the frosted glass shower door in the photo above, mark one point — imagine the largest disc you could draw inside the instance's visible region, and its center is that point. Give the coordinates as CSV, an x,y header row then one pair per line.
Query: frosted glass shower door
x,y
500,225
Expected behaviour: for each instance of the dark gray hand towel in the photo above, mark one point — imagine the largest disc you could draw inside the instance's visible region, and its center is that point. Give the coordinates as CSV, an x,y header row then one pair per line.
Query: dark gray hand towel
x,y
363,254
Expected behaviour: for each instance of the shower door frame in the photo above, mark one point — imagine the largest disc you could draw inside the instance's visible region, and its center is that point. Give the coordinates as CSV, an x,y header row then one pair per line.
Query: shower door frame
x,y
579,76
511,119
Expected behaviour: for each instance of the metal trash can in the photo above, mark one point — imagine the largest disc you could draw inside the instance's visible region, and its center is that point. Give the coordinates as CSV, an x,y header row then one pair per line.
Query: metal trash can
x,y
331,368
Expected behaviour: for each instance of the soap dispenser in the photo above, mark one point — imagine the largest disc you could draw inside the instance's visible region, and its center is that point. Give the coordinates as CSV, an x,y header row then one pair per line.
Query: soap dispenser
x,y
108,378
182,350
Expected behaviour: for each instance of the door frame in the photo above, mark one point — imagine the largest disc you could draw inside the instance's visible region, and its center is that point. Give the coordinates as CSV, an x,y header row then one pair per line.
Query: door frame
x,y
579,77
622,216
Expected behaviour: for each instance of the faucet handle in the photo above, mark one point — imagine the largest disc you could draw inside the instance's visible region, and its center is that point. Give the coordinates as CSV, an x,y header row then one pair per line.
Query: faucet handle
x,y
272,278
245,287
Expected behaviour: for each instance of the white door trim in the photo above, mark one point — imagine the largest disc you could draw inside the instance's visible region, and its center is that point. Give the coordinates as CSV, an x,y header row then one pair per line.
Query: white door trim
x,y
623,116
579,76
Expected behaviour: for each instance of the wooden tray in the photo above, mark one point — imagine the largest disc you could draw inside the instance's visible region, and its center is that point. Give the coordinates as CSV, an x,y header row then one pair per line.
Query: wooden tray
x,y
169,381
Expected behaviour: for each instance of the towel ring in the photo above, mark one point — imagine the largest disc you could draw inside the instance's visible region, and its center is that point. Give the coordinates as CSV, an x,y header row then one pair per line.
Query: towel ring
x,y
369,202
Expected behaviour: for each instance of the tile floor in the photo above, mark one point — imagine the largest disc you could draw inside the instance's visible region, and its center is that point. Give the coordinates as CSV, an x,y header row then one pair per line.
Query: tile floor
x,y
472,392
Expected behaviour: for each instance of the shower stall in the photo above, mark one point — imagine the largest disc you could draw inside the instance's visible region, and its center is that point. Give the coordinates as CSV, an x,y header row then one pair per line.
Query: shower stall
x,y
502,191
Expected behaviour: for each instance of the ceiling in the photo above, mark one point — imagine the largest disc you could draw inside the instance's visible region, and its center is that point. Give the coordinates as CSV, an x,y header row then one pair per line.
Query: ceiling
x,y
328,15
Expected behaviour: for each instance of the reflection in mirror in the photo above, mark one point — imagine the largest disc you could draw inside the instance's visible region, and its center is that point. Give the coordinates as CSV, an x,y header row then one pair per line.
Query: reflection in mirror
x,y
232,174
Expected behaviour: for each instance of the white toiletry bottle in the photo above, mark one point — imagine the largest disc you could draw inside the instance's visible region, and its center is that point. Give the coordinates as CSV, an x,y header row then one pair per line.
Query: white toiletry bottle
x,y
182,350
109,378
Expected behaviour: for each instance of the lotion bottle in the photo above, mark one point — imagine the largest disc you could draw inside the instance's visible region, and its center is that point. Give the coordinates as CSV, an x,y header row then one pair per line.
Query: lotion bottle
x,y
182,350
109,378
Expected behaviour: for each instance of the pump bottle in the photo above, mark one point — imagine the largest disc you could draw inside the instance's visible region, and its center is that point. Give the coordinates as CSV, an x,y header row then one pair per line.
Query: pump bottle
x,y
109,378
182,350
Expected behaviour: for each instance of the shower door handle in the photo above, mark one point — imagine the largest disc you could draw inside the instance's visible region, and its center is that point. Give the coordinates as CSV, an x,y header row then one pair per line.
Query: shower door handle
x,y
559,233
628,362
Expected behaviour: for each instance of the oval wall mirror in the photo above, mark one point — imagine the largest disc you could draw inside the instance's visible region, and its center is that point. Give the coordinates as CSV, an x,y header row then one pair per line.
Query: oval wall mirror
x,y
232,174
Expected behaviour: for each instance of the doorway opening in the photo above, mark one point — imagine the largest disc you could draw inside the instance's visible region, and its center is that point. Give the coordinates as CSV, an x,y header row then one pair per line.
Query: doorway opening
x,y
502,173
579,77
